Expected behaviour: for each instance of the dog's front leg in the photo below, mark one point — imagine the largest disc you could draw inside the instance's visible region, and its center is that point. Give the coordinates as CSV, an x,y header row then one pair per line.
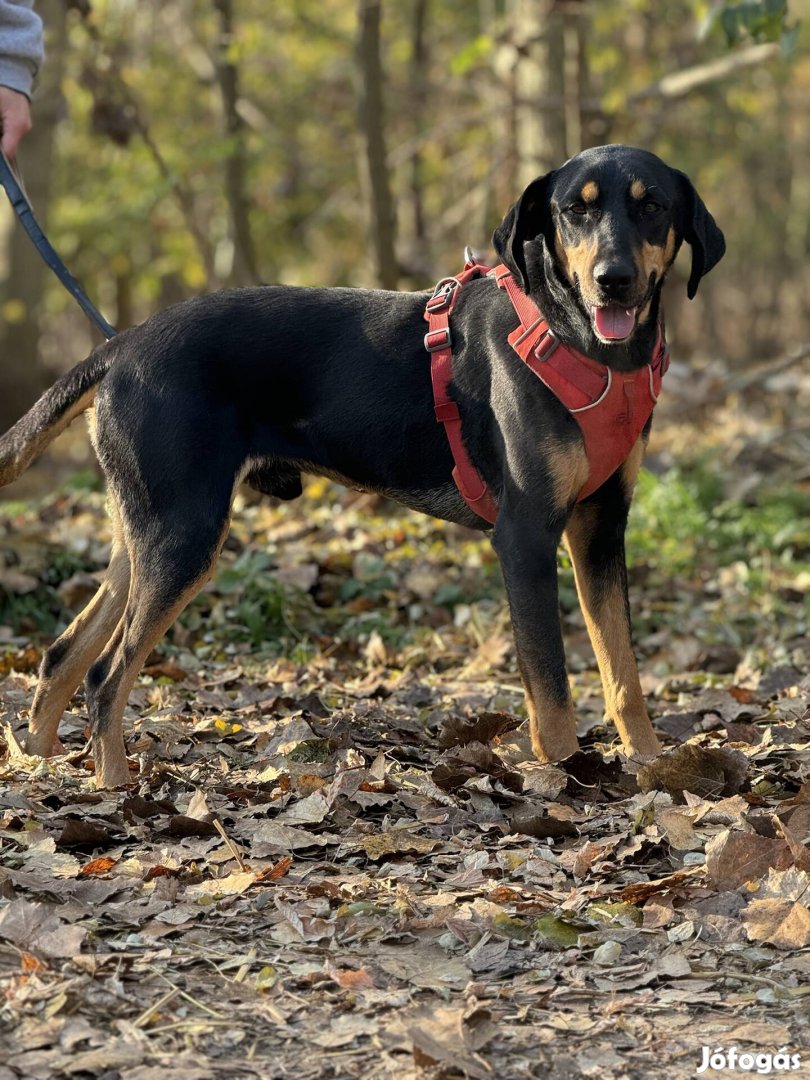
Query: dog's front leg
x,y
528,554
594,536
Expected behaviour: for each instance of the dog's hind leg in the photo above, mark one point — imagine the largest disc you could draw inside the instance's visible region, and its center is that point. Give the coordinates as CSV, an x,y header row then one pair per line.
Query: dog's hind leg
x,y
66,661
172,556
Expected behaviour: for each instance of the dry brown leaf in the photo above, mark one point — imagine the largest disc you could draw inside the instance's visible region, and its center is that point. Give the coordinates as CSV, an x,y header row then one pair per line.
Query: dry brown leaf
x,y
308,811
231,885
181,825
166,668
532,821
641,890
351,978
678,830
659,911
589,771
78,833
399,842
790,884
482,728
35,928
734,858
713,772
198,807
799,850
97,867
267,837
440,1036
783,923
586,856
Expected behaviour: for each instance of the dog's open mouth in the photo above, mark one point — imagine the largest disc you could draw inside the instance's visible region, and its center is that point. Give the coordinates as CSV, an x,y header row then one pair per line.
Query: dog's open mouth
x,y
613,322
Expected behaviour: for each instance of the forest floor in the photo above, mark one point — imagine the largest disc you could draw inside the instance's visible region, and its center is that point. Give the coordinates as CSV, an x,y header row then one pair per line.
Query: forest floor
x,y
336,858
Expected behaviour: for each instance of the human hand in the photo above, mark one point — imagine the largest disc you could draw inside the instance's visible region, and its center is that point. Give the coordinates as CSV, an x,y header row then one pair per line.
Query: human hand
x,y
15,119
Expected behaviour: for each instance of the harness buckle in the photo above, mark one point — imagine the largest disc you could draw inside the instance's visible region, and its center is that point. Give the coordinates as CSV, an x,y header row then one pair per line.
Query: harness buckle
x,y
442,296
546,346
438,339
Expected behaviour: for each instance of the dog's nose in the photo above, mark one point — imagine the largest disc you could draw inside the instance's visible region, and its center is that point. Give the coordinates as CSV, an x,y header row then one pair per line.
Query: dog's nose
x,y
614,276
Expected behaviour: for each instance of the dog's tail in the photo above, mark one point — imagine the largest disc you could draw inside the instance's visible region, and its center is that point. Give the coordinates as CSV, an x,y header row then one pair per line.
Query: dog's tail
x,y
57,407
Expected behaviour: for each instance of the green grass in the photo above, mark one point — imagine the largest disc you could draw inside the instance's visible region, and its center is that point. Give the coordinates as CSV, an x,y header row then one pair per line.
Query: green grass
x,y
682,521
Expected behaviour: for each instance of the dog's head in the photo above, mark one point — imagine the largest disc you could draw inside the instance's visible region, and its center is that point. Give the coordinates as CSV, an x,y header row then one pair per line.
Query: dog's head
x,y
608,225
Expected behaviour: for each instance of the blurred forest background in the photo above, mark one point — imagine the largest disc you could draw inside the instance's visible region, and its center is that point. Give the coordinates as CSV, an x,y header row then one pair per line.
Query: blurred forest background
x,y
187,145
348,676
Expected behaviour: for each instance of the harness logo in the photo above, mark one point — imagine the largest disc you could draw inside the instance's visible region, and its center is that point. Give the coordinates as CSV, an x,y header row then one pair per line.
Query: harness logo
x,y
732,1060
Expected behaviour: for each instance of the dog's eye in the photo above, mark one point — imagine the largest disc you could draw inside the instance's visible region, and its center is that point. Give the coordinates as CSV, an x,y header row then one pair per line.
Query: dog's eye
x,y
578,208
651,208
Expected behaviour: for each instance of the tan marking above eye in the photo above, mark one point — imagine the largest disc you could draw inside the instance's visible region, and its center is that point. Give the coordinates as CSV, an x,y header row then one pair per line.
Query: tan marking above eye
x,y
590,192
638,189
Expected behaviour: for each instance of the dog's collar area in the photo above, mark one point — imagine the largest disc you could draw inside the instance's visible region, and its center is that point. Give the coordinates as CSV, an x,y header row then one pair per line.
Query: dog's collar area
x,y
611,408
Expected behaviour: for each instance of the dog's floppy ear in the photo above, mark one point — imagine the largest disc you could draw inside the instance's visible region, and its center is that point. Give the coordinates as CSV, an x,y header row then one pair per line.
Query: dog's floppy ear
x,y
700,231
529,217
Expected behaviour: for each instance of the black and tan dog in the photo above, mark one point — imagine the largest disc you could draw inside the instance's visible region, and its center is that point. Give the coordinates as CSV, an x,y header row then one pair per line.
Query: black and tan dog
x,y
262,384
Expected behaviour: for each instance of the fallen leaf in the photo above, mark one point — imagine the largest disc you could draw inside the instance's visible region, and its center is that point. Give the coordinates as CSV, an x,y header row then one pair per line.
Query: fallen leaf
x,y
734,858
695,769
35,928
783,923
482,728
678,830
379,845
97,867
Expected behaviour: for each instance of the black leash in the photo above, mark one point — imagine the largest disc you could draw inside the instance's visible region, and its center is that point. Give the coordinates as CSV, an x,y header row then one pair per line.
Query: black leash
x,y
23,210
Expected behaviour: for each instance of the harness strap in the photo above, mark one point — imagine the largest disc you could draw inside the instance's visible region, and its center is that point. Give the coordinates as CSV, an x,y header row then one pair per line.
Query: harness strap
x,y
438,342
611,408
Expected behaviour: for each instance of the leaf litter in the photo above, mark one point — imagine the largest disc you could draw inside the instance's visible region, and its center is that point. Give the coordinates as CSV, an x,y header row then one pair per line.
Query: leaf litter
x,y
337,857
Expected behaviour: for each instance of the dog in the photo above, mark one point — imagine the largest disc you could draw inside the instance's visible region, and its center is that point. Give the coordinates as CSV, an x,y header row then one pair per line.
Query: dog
x,y
261,384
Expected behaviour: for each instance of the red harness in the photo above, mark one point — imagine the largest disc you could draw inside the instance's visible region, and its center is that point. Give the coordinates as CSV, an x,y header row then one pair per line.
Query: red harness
x,y
610,407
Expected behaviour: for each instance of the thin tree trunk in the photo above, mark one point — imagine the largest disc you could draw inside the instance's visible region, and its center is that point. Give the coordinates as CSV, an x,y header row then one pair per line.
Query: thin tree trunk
x,y
244,270
537,35
419,90
372,120
574,14
21,293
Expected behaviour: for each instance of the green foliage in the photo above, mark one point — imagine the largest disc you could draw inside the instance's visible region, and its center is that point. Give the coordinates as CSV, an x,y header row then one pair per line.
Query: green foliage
x,y
757,20
141,209
683,520
255,607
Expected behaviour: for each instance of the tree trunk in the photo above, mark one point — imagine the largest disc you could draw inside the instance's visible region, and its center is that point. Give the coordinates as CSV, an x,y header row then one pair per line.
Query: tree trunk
x,y
374,165
538,41
577,136
244,270
418,77
21,292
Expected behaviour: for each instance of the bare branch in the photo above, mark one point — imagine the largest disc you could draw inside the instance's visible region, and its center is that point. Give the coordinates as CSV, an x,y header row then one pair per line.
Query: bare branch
x,y
680,83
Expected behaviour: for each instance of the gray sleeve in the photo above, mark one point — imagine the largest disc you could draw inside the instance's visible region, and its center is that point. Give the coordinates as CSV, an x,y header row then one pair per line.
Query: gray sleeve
x,y
20,44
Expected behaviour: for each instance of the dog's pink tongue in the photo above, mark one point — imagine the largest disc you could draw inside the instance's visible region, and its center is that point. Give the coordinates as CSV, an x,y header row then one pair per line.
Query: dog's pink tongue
x,y
614,321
